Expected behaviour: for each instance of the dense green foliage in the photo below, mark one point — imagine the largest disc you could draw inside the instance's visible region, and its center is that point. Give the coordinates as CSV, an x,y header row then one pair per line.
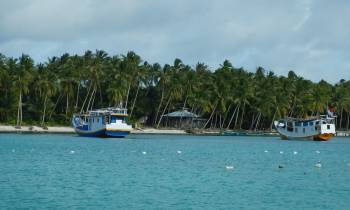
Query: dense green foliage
x,y
228,97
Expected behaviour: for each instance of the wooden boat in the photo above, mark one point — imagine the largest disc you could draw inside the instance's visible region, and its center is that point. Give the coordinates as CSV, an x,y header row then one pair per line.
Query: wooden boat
x,y
107,122
320,128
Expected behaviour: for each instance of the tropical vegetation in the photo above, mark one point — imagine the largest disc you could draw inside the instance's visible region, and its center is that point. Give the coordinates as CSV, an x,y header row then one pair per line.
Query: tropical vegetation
x,y
227,97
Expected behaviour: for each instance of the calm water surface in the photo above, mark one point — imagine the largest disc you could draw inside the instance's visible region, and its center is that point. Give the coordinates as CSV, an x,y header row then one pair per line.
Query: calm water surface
x,y
172,172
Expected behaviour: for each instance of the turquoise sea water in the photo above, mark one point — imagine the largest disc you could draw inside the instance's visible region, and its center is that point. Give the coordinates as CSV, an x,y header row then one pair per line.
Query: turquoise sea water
x,y
172,172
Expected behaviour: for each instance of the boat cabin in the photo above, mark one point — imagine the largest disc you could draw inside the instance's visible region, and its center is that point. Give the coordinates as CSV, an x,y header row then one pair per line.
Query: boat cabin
x,y
307,127
94,119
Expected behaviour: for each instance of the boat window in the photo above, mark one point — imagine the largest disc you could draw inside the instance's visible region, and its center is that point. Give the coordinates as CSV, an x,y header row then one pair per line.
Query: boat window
x,y
297,123
296,130
328,127
115,118
97,119
317,122
312,123
315,128
303,130
305,124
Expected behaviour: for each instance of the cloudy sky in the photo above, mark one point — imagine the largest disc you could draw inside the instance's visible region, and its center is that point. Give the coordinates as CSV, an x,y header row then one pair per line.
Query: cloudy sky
x,y
311,37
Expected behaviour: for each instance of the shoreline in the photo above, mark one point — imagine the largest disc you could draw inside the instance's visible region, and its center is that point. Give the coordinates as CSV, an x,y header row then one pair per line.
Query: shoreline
x,y
70,130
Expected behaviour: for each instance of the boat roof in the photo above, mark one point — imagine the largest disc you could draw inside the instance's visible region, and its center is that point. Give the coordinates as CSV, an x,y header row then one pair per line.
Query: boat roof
x,y
307,119
107,111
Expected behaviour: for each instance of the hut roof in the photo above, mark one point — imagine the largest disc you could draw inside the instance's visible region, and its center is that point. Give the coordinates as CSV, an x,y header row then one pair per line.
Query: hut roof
x,y
182,113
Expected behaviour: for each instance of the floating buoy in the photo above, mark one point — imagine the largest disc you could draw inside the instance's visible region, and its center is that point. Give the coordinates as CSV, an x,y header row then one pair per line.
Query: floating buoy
x,y
295,152
72,152
266,151
318,152
318,165
144,152
13,150
179,151
229,167
281,152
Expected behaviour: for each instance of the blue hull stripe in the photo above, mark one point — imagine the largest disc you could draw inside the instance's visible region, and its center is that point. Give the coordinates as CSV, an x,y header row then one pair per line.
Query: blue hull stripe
x,y
103,133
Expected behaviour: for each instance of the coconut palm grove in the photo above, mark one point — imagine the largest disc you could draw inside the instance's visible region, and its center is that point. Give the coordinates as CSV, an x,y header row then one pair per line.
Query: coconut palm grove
x,y
227,97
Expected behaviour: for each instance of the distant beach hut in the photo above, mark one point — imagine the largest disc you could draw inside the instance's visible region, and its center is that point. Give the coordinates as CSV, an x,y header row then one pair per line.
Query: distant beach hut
x,y
182,119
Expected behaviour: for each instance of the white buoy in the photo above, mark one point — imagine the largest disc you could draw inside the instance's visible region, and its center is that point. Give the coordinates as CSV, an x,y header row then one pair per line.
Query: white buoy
x,y
318,152
266,151
229,167
318,165
281,152
295,152
179,151
144,152
13,150
72,152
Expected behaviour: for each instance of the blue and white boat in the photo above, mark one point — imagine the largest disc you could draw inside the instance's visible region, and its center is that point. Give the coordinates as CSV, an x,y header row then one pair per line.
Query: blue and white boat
x,y
107,122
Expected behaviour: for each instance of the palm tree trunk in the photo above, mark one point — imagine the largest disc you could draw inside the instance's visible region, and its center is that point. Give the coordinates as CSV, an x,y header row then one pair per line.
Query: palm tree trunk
x,y
86,97
133,104
166,106
223,121
257,122
220,122
21,112
19,107
237,116
58,99
292,109
212,113
77,99
347,125
160,104
240,124
67,105
127,96
253,121
233,115
341,118
43,117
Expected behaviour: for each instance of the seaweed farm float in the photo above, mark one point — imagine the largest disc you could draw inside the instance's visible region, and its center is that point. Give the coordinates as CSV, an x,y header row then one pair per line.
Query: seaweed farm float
x,y
320,128
106,122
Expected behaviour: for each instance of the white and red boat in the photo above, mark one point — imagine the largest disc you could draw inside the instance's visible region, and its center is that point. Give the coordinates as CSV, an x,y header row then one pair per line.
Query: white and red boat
x,y
320,128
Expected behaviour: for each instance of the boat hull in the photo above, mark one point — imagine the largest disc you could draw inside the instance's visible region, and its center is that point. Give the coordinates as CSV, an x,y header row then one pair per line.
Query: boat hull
x,y
323,137
103,133
320,137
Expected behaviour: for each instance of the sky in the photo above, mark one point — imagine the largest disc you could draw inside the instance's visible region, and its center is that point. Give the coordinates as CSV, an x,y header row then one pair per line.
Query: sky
x,y
310,37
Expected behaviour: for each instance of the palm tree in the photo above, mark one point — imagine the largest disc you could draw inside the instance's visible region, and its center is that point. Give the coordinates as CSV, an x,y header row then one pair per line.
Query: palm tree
x,y
46,86
22,76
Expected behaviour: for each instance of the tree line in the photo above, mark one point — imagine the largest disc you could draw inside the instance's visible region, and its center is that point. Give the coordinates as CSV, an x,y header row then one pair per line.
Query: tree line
x,y
227,97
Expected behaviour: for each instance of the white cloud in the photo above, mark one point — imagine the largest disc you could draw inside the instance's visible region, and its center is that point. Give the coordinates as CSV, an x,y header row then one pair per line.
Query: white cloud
x,y
309,37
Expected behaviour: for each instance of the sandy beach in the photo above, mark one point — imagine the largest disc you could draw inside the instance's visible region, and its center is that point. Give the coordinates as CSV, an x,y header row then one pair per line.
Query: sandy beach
x,y
62,129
